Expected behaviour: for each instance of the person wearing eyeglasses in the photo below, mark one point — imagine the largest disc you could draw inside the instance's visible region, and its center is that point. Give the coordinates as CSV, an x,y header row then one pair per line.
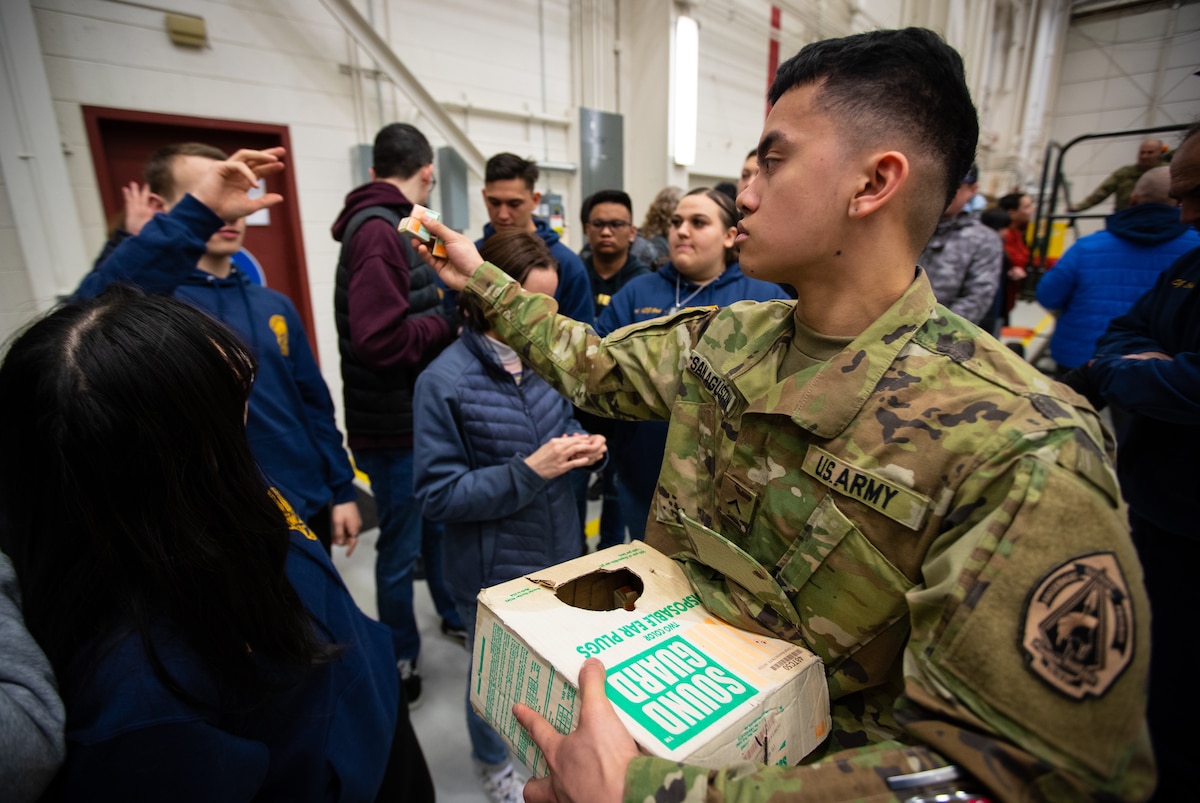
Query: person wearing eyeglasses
x,y
612,262
608,222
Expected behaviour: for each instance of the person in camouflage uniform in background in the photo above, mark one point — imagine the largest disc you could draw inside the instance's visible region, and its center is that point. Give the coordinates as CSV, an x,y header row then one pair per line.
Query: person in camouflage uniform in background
x,y
866,474
1121,181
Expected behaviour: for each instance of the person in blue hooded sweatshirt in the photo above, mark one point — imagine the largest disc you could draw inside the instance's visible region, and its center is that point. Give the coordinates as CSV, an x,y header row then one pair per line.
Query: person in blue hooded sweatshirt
x,y
510,197
291,425
702,273
1102,274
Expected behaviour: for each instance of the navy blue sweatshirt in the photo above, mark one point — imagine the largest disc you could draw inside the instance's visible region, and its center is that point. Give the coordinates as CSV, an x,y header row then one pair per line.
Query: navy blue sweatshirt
x,y
324,738
1156,461
290,424
574,293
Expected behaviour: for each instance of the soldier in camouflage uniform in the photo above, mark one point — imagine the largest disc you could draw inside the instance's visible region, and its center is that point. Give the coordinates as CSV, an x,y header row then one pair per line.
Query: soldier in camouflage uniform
x,y
1121,182
867,474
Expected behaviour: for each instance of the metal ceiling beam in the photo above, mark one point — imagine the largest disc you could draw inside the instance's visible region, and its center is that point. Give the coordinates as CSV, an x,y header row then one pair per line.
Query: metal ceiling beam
x,y
391,65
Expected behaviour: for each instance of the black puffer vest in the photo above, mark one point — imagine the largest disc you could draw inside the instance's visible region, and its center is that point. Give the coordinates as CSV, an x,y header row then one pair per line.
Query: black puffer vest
x,y
378,403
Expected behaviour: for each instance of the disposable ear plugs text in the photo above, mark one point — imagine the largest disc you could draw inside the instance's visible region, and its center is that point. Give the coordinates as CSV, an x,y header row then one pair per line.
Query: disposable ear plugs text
x,y
688,686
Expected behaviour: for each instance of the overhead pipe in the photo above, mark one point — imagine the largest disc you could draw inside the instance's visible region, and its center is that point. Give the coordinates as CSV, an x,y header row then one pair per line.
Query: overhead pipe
x,y
395,69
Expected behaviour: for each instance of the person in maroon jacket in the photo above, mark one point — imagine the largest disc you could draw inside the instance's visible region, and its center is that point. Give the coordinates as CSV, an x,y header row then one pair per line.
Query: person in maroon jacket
x,y
391,323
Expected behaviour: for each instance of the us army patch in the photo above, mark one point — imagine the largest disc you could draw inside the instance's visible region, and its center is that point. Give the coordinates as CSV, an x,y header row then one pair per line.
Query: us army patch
x,y
1078,626
713,382
897,502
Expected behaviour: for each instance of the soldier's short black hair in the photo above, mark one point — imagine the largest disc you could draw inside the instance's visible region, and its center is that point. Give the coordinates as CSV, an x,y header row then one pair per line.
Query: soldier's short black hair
x,y
605,197
884,86
400,151
505,166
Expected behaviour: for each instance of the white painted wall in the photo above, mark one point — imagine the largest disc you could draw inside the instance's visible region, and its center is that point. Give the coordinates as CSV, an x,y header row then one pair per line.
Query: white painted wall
x,y
17,306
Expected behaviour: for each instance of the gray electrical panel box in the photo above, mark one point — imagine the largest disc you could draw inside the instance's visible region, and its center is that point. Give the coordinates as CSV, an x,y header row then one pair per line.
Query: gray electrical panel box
x,y
362,159
450,195
601,151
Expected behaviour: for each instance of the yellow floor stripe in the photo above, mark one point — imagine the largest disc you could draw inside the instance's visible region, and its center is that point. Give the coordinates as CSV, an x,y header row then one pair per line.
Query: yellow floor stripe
x,y
1037,330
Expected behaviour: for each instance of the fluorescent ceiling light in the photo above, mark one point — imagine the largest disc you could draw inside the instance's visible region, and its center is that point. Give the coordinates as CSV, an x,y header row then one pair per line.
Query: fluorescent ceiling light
x,y
686,69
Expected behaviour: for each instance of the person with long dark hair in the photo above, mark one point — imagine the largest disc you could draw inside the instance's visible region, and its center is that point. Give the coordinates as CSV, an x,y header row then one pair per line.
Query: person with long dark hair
x,y
205,647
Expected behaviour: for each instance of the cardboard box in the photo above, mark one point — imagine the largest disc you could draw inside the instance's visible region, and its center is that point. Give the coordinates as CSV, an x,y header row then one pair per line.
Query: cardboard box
x,y
688,686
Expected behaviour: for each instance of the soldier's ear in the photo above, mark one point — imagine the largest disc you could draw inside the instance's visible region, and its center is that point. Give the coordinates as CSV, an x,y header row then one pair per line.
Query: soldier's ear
x,y
882,176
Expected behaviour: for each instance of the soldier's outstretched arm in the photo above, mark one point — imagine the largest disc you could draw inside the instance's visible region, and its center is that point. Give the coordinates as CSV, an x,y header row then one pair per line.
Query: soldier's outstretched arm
x,y
632,373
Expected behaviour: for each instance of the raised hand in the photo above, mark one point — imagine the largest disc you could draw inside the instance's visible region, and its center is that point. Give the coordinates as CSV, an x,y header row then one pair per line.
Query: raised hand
x,y
225,186
461,258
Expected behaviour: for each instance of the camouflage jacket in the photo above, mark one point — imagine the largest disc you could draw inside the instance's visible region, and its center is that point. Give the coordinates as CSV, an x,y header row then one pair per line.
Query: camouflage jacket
x,y
1120,183
926,512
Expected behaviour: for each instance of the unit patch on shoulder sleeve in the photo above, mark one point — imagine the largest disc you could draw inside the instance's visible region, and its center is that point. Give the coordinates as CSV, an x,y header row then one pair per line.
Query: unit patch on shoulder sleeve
x,y
1078,626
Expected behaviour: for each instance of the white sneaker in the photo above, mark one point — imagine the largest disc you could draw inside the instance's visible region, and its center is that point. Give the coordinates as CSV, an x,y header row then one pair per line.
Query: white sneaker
x,y
501,786
410,681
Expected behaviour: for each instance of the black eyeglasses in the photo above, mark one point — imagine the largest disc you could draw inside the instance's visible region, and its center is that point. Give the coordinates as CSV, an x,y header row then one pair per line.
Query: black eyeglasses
x,y
615,225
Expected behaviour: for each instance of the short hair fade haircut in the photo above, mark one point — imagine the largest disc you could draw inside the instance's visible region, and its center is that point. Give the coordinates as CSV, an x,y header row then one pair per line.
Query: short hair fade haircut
x,y
605,197
507,166
884,86
400,151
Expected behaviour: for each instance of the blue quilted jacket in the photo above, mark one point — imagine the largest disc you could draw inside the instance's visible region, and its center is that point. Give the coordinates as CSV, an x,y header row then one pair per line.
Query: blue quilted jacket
x,y
1102,274
473,428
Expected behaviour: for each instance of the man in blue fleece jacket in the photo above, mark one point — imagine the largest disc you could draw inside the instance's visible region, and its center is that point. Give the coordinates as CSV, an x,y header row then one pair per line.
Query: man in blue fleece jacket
x,y
1148,363
290,422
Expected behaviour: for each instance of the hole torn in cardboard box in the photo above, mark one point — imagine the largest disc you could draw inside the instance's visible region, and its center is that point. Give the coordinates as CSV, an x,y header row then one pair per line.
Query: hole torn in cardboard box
x,y
602,591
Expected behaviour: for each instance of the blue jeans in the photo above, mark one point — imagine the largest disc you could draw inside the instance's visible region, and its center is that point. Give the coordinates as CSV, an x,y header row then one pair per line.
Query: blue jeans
x,y
403,535
612,518
486,745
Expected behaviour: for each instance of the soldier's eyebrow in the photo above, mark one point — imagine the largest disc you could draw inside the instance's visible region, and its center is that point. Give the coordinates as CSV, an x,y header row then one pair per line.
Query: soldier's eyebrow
x,y
769,140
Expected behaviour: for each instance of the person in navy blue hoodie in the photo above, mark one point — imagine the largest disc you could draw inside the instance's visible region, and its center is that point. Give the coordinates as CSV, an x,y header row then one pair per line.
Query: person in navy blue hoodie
x,y
205,647
188,254
702,273
494,448
1148,363
1102,274
510,198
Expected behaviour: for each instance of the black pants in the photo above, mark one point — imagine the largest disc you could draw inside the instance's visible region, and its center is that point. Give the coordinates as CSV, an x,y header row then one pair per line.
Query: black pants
x,y
321,523
1169,562
407,777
